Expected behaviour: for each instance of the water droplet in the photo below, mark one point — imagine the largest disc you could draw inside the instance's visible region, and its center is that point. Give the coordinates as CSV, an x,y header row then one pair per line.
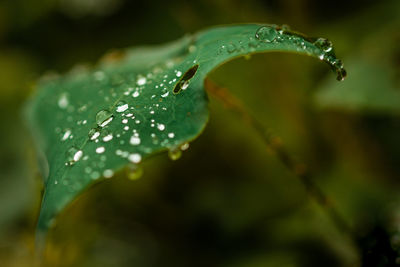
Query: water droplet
x,y
66,135
103,117
135,94
134,172
100,149
95,175
93,134
231,48
171,135
141,80
174,154
73,155
63,101
324,44
135,140
161,127
266,34
122,106
108,173
135,158
183,83
184,146
178,73
108,137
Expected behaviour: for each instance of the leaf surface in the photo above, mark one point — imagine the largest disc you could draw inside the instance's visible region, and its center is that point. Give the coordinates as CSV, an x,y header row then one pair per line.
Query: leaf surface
x,y
88,124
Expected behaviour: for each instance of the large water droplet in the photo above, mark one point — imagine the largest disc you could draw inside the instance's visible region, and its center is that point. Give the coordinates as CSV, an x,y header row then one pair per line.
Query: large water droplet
x,y
183,83
324,44
103,117
266,34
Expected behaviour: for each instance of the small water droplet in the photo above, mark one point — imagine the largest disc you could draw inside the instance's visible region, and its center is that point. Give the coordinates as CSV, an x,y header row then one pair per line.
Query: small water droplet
x,y
122,106
135,157
141,80
134,172
73,155
108,173
161,127
66,135
174,154
171,135
103,117
63,101
135,94
108,137
184,146
100,149
266,34
93,134
135,140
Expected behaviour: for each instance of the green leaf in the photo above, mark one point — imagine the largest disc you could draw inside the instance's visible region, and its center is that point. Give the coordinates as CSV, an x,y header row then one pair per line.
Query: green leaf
x,y
90,124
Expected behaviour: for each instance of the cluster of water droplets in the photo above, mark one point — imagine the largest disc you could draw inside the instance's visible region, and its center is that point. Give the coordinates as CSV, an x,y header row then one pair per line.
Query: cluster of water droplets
x,y
136,111
274,34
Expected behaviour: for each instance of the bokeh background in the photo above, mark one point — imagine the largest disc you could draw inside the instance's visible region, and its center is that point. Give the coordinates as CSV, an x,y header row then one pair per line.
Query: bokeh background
x,y
227,201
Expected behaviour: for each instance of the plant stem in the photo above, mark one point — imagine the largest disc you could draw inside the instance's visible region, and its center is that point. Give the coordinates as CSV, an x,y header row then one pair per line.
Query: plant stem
x,y
275,144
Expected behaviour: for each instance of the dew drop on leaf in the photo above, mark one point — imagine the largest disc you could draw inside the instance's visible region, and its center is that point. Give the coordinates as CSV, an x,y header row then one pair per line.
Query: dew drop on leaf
x,y
266,34
108,173
93,134
184,146
141,80
103,117
174,154
100,149
122,106
135,158
63,101
108,137
73,155
324,44
66,135
134,172
183,83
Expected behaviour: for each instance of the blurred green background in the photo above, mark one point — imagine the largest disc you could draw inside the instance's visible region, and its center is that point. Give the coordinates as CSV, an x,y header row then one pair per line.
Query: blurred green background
x,y
228,201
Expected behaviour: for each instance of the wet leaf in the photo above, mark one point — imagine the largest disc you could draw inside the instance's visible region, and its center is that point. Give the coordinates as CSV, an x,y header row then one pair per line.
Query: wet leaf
x,y
90,124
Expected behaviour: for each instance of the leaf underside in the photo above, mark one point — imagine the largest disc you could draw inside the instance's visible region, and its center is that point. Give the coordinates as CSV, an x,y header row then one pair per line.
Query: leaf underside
x,y
89,124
